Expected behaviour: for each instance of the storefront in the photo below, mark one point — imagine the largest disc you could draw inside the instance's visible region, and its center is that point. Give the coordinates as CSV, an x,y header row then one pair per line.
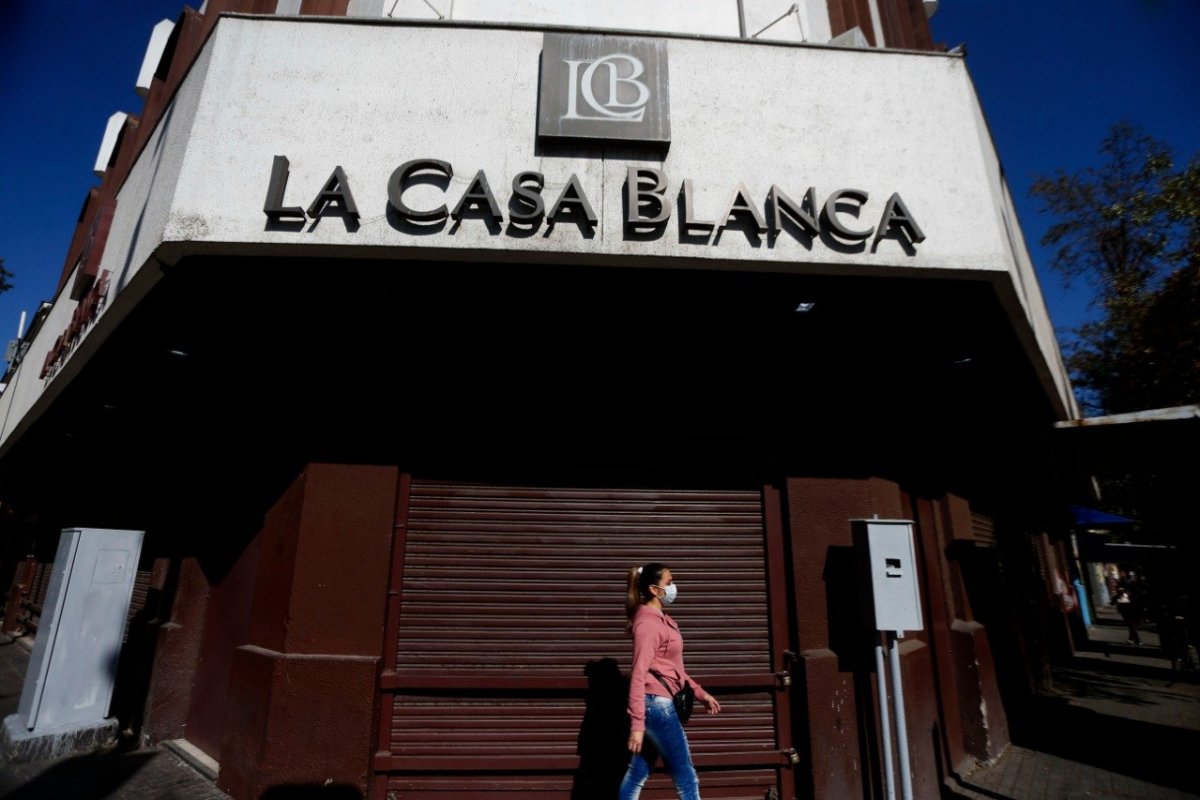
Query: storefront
x,y
404,340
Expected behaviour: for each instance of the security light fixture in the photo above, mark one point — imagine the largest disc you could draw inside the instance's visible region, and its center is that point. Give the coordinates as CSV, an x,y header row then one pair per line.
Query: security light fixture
x,y
804,308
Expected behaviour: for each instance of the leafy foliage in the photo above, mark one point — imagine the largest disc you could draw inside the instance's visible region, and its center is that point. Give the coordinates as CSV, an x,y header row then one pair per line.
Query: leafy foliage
x,y
5,278
1131,228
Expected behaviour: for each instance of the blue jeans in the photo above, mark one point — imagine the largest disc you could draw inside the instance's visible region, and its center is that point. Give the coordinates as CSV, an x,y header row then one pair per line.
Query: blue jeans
x,y
664,737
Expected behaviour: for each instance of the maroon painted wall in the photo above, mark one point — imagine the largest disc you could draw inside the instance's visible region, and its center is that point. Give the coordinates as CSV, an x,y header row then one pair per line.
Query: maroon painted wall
x,y
834,681
176,655
226,625
904,23
947,668
297,700
938,634
923,727
302,691
981,712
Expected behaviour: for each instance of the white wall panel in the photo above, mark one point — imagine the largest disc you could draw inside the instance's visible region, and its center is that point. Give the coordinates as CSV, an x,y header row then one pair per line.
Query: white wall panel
x,y
369,98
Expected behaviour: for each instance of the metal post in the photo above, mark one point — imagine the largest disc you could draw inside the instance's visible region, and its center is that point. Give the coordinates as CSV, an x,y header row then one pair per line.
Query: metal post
x,y
885,723
901,725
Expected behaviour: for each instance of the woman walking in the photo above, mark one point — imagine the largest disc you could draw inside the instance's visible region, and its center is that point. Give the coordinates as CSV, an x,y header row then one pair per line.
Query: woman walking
x,y
655,728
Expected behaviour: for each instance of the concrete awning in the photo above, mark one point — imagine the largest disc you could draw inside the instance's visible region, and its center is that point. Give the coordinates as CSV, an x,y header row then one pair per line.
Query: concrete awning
x,y
1153,440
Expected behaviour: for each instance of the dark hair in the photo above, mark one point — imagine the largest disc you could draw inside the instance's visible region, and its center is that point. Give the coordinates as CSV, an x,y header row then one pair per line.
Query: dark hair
x,y
638,592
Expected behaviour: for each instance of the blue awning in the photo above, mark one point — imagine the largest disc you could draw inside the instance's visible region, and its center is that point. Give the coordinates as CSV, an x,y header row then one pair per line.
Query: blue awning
x,y
1091,516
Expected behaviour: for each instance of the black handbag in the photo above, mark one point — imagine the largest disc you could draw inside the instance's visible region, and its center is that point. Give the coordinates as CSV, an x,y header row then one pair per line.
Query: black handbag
x,y
684,699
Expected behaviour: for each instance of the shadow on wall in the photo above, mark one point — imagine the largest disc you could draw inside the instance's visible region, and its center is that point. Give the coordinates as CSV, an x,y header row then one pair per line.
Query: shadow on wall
x,y
135,663
999,599
854,643
603,757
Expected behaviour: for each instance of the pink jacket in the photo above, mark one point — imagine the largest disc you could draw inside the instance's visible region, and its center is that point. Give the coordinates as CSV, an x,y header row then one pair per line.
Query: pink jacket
x,y
657,644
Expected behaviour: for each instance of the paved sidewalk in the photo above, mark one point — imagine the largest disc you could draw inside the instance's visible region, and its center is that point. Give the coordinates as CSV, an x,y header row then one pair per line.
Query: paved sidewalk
x,y
1118,723
150,774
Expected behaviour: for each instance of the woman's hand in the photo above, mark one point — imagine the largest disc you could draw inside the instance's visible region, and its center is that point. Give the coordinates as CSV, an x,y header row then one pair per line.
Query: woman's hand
x,y
711,704
635,741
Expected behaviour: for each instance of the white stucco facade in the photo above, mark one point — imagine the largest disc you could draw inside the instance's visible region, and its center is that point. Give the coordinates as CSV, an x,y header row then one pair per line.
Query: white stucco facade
x,y
368,95
385,94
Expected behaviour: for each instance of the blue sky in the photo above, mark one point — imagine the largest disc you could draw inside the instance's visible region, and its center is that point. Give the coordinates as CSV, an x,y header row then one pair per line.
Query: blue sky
x,y
1052,76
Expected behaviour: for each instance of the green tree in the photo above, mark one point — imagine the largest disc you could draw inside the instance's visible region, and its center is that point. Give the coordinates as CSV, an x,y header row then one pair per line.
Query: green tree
x,y
1131,228
5,278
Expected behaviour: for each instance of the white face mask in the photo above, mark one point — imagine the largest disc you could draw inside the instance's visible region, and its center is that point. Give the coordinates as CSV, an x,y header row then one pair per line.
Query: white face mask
x,y
669,596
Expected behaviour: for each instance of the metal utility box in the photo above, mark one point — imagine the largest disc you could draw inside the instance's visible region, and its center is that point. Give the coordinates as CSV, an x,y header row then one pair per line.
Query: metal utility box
x,y
888,574
74,659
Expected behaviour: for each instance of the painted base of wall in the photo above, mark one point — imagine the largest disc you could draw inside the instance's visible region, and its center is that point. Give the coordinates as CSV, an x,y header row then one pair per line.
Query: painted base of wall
x,y
196,758
985,724
19,745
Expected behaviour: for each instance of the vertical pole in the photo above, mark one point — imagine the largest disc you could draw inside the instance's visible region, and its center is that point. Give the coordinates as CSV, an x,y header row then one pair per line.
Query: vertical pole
x,y
741,19
885,722
901,725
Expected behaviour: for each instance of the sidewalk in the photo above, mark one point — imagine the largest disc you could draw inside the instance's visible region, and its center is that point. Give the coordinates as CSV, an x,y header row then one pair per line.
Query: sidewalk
x,y
1118,723
151,774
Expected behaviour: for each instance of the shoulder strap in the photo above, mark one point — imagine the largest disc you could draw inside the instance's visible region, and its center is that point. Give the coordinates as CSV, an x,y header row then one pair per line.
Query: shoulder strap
x,y
666,685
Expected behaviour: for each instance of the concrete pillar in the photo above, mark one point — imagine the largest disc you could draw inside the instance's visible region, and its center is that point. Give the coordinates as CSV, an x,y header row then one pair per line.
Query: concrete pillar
x,y
939,631
309,671
176,656
981,712
835,656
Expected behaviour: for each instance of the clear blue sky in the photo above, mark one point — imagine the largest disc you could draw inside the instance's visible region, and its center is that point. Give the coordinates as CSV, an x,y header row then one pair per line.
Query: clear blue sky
x,y
1052,75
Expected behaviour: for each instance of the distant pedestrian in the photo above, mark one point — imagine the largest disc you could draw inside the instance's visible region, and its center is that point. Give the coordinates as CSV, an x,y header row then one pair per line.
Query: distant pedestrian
x,y
1176,642
1130,610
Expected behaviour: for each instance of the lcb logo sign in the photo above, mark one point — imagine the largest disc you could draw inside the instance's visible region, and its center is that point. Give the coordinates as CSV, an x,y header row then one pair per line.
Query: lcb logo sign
x,y
604,88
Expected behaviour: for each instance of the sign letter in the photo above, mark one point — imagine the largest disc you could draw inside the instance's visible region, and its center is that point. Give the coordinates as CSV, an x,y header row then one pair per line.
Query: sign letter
x,y
274,208
651,192
399,181
831,214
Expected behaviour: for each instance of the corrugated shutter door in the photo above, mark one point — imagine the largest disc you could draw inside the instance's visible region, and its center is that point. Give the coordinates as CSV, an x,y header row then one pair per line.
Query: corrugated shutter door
x,y
511,644
137,600
38,589
983,528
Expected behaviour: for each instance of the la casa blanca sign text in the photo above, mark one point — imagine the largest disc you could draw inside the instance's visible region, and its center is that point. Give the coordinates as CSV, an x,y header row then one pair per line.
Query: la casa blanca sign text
x,y
840,218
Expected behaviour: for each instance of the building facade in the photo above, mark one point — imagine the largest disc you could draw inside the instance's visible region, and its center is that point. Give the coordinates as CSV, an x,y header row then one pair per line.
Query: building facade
x,y
405,331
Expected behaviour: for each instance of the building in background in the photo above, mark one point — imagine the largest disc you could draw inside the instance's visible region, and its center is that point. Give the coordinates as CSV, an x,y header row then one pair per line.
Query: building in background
x,y
404,330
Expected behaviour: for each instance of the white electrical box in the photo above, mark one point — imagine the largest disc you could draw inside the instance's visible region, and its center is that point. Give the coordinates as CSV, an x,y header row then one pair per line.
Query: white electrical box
x,y
74,661
888,574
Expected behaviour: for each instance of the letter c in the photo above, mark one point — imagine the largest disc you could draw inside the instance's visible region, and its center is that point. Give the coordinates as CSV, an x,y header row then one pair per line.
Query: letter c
x,y
399,180
858,196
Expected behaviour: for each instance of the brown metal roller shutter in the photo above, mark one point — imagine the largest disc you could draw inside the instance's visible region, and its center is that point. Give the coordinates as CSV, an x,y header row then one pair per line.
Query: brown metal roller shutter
x,y
983,529
511,596
36,598
137,600
498,580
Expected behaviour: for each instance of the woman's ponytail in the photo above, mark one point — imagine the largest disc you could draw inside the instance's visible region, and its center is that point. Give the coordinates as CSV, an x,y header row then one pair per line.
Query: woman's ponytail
x,y
632,598
638,589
